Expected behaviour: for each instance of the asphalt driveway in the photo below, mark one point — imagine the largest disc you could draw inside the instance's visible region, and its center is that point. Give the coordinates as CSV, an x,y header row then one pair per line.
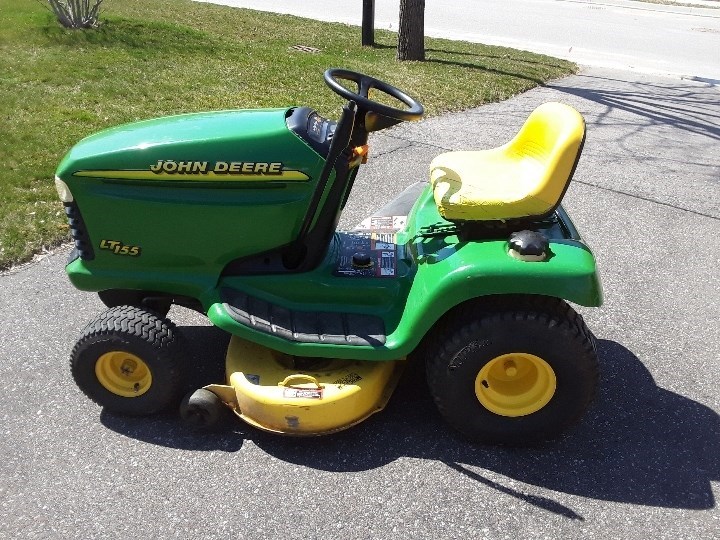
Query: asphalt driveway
x,y
644,463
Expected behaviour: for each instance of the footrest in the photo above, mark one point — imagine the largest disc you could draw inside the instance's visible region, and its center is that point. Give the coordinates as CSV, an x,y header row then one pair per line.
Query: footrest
x,y
303,326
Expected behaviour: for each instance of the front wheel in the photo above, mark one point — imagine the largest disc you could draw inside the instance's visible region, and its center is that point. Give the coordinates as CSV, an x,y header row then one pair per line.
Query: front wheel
x,y
513,376
128,361
142,299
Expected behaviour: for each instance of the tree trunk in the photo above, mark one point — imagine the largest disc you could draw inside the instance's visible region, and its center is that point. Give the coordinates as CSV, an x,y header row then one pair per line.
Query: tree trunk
x,y
368,23
411,33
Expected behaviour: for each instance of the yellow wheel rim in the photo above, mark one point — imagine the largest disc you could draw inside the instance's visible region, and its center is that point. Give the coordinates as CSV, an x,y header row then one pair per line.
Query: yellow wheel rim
x,y
123,374
515,384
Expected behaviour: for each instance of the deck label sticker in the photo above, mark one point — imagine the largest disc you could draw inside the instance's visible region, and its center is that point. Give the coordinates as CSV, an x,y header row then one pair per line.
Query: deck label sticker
x,y
293,392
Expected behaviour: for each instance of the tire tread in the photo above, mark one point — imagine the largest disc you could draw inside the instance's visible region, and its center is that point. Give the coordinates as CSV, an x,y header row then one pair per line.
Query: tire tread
x,y
131,323
471,319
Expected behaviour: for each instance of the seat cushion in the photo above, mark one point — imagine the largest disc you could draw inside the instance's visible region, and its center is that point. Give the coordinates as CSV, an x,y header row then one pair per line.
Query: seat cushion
x,y
526,177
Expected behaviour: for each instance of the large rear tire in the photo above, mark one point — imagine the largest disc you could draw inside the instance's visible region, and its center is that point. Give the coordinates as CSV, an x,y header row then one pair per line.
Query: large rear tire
x,y
514,375
128,360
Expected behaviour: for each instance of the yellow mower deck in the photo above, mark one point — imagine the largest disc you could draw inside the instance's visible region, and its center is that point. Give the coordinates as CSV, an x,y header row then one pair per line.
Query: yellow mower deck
x,y
268,392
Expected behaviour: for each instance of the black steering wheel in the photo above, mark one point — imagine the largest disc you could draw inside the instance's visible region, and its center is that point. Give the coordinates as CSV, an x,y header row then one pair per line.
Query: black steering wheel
x,y
365,83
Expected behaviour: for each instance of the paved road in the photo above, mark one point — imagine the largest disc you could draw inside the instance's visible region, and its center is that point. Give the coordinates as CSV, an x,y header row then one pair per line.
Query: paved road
x,y
653,38
644,463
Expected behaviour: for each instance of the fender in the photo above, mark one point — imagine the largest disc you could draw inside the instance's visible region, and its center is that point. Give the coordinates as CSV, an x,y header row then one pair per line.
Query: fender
x,y
461,272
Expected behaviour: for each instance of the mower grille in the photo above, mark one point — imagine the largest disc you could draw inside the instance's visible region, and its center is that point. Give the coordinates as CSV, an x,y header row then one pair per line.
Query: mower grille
x,y
79,233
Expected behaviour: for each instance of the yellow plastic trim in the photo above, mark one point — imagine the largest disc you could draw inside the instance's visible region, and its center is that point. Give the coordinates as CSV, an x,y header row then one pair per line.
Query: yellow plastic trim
x,y
525,177
124,374
300,377
274,396
515,384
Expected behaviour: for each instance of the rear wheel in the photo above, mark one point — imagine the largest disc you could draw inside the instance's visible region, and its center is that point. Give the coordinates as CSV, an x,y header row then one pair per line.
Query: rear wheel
x,y
513,376
128,360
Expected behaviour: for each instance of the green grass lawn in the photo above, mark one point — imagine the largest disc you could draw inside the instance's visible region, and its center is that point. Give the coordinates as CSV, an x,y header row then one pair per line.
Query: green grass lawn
x,y
159,57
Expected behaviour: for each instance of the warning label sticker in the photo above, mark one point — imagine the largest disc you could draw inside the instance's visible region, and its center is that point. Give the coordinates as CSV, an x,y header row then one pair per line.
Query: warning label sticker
x,y
294,392
383,223
379,248
375,240
382,241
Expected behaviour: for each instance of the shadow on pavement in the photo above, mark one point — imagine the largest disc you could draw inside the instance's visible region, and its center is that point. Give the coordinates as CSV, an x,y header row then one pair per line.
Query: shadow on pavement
x,y
638,443
687,106
167,430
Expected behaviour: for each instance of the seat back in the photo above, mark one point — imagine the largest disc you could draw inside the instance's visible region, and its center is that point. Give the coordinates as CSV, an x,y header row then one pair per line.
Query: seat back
x,y
525,178
551,139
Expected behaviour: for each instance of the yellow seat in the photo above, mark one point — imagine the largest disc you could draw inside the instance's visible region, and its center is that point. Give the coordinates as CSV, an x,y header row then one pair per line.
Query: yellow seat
x,y
527,177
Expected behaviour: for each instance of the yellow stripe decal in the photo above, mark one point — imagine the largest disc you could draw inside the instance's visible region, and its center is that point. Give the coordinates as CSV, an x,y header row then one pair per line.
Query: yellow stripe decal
x,y
283,176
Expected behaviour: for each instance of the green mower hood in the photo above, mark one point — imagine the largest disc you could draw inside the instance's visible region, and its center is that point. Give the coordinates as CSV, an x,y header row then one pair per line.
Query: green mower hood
x,y
224,146
173,200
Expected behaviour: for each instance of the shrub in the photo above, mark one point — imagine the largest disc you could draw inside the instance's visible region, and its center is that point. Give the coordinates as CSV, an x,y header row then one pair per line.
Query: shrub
x,y
76,13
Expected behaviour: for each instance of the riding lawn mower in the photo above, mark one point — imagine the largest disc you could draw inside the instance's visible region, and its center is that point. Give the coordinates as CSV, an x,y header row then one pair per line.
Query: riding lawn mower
x,y
234,214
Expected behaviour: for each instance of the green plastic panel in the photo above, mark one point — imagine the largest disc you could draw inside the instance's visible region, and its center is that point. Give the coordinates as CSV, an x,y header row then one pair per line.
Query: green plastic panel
x,y
183,227
440,273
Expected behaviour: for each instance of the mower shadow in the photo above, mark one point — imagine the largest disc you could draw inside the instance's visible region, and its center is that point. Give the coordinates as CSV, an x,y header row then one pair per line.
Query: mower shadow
x,y
638,443
167,430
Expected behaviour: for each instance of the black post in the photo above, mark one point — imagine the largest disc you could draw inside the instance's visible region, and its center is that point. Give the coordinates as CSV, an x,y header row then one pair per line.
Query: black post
x,y
368,23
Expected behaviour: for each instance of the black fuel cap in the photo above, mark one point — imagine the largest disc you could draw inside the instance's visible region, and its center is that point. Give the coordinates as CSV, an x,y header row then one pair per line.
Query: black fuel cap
x,y
361,260
528,245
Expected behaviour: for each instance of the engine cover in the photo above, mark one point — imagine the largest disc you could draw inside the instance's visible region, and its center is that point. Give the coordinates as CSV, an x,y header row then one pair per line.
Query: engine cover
x,y
187,194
